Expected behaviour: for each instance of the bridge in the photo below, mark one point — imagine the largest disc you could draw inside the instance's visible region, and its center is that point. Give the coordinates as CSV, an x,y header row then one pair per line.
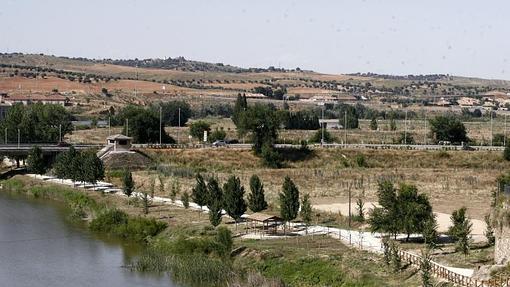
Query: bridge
x,y
21,150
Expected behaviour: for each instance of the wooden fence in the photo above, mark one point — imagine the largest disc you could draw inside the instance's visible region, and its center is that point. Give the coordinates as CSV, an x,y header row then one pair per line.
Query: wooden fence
x,y
451,276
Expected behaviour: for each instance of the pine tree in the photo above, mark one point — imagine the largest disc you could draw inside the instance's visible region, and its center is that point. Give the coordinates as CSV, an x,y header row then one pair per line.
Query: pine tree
x,y
185,200
199,192
461,230
35,161
306,211
128,183
256,199
235,206
289,200
214,201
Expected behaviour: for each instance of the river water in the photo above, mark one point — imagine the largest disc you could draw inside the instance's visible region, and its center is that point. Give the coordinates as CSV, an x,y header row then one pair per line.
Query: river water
x,y
40,247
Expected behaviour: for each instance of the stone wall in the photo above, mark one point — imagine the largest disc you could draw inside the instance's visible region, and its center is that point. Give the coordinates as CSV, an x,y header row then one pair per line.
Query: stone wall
x,y
502,248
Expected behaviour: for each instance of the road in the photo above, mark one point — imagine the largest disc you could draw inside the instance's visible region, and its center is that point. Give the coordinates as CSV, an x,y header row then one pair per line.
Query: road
x,y
337,146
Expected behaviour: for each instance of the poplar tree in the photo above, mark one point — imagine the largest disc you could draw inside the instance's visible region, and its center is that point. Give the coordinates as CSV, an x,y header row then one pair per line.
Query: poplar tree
x,y
199,191
306,211
256,200
289,200
128,183
214,201
235,206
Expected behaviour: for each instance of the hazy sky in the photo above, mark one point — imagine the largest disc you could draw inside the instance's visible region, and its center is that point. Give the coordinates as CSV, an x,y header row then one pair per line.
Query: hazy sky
x,y
460,37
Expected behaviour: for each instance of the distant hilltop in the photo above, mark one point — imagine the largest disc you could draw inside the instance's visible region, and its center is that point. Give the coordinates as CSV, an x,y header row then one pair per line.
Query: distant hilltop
x,y
178,63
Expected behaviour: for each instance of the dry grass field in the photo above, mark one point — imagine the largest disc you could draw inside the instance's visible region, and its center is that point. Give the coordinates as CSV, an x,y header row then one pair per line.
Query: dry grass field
x,y
451,179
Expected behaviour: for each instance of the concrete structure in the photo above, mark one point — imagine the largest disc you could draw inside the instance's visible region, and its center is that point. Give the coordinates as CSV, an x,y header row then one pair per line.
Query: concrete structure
x,y
331,123
119,142
28,99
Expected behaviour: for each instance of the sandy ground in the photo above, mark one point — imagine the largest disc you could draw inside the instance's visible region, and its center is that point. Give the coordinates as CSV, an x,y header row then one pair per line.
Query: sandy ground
x,y
443,219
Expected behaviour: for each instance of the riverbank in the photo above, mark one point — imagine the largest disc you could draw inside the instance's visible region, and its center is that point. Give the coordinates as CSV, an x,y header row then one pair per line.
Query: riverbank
x,y
300,261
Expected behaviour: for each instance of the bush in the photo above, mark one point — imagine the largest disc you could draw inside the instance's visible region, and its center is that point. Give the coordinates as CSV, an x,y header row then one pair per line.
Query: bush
x,y
361,161
317,136
118,223
197,129
270,157
506,152
217,134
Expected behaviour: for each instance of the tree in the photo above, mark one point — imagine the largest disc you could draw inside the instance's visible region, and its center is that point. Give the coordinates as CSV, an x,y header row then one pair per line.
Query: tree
x,y
270,156
197,129
217,134
426,268
175,190
35,161
405,211
170,112
185,200
214,201
92,166
489,231
317,136
306,211
262,123
373,124
430,232
128,184
145,127
234,203
60,168
289,200
240,106
224,242
405,138
385,218
360,206
146,201
199,191
460,230
414,209
256,198
506,152
448,128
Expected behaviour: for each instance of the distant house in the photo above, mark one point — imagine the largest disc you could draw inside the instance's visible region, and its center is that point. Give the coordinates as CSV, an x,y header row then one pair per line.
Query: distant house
x,y
119,142
27,99
331,123
468,102
443,103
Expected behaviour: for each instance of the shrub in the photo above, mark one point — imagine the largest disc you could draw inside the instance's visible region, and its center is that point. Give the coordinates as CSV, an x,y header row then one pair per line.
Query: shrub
x,y
197,129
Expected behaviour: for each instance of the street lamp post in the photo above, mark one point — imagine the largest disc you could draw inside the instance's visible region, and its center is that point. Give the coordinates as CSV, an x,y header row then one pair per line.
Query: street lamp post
x,y
179,129
160,124
19,138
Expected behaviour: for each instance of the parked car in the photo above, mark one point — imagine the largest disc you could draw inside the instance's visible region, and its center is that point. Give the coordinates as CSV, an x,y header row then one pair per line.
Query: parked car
x,y
232,141
219,143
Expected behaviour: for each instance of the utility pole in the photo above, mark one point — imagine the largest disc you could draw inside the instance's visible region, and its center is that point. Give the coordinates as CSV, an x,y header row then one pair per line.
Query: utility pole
x,y
425,136
5,134
345,128
349,189
60,133
179,129
109,126
160,124
405,129
322,125
19,138
127,127
491,128
504,137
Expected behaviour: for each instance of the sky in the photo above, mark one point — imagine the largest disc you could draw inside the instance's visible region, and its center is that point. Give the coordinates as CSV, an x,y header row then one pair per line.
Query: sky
x,y
458,37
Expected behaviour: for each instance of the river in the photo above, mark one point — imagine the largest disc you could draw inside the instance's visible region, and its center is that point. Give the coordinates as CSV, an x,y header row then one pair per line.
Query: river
x,y
40,247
